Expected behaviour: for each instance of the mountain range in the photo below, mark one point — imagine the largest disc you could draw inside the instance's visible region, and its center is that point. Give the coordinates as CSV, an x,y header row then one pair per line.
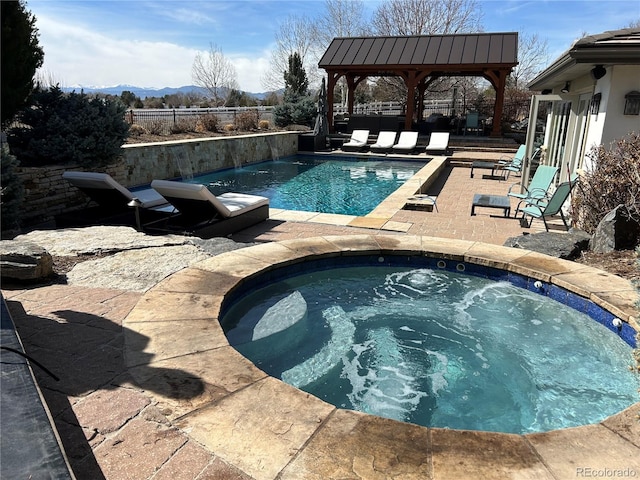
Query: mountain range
x,y
143,92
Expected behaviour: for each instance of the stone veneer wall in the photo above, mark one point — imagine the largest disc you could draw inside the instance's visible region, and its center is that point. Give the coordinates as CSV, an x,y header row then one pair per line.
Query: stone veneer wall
x,y
47,194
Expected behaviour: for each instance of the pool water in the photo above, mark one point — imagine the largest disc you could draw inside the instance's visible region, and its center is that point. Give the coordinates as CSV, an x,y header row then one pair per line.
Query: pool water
x,y
315,184
435,348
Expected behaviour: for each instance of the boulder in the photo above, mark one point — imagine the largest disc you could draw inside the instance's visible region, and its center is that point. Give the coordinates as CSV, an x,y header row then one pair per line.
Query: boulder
x,y
567,246
24,261
616,231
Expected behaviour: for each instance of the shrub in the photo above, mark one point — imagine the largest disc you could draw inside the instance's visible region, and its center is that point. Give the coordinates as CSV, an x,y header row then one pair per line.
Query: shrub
x,y
246,121
614,179
207,123
296,109
59,129
184,125
229,127
263,124
136,130
11,193
156,126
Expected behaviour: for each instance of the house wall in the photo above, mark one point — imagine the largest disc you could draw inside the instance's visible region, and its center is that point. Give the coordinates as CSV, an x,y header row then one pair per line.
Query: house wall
x,y
610,123
624,79
47,194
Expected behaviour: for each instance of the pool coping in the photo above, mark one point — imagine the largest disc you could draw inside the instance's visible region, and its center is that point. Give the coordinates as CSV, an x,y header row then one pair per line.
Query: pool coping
x,y
271,430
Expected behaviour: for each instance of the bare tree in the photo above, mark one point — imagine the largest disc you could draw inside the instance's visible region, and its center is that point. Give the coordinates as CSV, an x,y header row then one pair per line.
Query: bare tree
x,y
295,35
212,71
533,55
427,17
342,18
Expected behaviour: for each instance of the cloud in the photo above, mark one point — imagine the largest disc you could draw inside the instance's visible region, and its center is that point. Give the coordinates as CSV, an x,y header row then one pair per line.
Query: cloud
x,y
251,71
77,55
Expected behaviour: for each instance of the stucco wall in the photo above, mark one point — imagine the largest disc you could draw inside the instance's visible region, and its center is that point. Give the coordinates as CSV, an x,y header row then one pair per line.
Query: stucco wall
x,y
624,79
47,194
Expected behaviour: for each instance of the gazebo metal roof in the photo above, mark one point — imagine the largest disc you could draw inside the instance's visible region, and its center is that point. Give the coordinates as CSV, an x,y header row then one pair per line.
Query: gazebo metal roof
x,y
421,57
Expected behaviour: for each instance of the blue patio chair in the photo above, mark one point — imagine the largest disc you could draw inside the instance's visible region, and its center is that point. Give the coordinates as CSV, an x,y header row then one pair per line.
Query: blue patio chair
x,y
537,188
552,205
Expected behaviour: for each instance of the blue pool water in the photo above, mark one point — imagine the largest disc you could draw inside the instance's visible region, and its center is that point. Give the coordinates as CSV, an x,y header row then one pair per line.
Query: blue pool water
x,y
434,347
316,184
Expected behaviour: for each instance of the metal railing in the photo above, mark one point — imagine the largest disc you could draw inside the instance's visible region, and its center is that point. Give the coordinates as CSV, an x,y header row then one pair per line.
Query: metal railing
x,y
166,120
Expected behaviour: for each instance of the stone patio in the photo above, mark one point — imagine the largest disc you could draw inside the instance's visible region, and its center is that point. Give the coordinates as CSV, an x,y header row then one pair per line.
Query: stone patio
x,y
150,388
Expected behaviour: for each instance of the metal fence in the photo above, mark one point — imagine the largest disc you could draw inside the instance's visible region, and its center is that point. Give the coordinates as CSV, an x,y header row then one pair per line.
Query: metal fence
x,y
166,120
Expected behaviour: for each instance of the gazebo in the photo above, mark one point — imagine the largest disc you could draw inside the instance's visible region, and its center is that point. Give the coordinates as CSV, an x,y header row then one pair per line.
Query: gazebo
x,y
419,60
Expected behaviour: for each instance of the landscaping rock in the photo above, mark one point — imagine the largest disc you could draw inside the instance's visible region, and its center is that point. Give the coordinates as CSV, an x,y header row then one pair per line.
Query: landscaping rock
x,y
135,270
616,231
134,261
22,260
567,246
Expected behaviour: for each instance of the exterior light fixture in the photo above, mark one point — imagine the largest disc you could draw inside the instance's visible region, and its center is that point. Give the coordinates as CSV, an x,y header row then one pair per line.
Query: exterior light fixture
x,y
566,88
598,72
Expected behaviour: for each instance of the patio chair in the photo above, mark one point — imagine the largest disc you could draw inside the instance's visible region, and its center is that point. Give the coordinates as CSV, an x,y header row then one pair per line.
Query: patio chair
x,y
114,202
205,215
358,140
384,142
407,142
537,188
438,142
472,122
550,205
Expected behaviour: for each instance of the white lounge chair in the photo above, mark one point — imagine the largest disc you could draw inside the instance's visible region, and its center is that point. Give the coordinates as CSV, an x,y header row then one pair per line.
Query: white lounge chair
x,y
205,215
358,140
384,142
114,202
438,142
406,142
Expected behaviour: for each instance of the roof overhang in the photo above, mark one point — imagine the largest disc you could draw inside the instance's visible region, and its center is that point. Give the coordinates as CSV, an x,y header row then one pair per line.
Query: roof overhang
x,y
620,47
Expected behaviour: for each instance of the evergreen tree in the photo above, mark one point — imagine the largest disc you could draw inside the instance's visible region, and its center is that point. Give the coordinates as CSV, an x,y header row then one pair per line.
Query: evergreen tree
x,y
11,193
295,78
21,56
61,129
298,108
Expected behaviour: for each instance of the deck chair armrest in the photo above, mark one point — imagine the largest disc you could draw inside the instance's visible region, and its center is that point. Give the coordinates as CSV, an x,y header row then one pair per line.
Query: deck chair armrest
x,y
538,192
518,184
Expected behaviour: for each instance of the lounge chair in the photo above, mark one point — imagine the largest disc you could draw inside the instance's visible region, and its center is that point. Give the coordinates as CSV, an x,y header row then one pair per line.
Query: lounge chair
x,y
407,142
205,215
537,188
114,202
438,142
358,140
384,142
550,206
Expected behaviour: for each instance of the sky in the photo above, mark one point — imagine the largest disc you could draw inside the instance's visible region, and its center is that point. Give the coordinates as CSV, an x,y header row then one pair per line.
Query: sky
x,y
153,43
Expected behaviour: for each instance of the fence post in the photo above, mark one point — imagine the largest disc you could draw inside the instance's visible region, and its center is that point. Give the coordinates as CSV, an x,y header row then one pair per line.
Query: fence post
x,y
174,117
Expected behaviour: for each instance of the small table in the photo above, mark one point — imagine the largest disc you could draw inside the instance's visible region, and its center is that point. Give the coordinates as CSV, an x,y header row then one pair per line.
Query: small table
x,y
491,201
487,165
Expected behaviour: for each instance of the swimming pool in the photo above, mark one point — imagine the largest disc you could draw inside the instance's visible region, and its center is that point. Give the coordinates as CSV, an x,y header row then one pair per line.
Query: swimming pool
x,y
417,340
342,185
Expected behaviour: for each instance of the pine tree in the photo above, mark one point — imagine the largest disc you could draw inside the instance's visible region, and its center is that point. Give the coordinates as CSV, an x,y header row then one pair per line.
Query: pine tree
x,y
295,78
21,56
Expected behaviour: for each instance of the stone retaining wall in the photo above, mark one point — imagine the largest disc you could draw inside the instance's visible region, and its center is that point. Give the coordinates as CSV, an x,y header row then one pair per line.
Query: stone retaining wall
x,y
47,194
